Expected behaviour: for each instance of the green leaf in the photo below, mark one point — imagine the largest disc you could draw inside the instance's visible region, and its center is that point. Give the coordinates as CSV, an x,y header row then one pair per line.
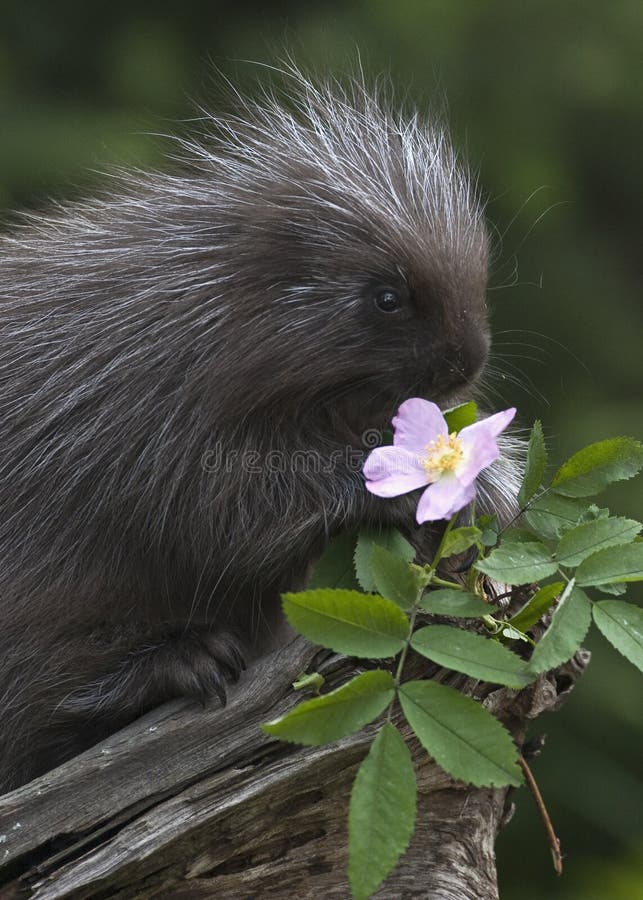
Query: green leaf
x,y
613,590
535,609
622,625
513,634
458,417
334,569
388,538
460,539
518,563
594,467
489,528
473,654
381,815
613,565
552,515
450,602
332,716
566,633
393,578
518,536
581,541
462,737
536,464
348,622
594,512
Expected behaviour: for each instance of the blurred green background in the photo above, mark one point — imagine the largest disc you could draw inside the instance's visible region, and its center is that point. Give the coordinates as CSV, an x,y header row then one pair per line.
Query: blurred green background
x,y
546,99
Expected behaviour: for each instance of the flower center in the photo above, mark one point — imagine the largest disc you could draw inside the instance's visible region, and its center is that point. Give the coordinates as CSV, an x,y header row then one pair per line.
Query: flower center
x,y
442,456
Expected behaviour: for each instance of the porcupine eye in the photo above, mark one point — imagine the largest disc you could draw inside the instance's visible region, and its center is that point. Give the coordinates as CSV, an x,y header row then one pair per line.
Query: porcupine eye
x,y
387,300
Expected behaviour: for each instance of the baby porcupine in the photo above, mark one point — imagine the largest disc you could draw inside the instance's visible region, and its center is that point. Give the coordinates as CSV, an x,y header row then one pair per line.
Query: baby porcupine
x,y
311,264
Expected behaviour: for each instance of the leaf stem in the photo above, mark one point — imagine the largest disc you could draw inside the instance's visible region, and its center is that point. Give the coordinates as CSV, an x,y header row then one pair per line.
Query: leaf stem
x,y
405,650
554,843
447,584
523,509
430,578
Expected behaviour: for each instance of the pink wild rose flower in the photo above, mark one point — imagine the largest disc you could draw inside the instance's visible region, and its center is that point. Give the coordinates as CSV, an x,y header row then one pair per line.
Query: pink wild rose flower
x,y
424,453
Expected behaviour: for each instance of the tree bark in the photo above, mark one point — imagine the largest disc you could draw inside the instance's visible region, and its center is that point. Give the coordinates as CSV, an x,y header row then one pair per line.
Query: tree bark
x,y
190,802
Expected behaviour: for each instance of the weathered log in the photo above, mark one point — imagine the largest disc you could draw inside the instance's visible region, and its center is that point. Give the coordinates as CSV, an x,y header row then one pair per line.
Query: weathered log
x,y
190,802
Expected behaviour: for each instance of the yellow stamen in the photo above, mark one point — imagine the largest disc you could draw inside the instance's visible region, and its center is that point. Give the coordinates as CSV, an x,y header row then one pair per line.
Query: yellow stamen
x,y
442,456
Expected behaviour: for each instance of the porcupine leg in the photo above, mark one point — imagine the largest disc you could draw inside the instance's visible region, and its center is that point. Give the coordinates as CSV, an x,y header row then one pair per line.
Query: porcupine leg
x,y
179,661
126,671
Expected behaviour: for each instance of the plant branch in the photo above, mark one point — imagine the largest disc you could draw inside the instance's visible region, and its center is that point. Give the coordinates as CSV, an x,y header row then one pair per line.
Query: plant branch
x,y
554,842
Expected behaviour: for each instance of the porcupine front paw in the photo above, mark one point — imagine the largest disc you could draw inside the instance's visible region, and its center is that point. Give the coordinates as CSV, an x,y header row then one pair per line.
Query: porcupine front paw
x,y
193,662
198,663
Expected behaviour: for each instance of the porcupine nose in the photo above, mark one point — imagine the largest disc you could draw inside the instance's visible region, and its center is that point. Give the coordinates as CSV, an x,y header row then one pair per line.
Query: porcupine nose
x,y
464,358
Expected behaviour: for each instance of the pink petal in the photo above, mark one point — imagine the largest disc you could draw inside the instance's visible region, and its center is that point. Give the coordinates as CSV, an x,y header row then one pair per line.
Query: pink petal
x,y
492,425
417,423
443,498
391,471
479,444
478,454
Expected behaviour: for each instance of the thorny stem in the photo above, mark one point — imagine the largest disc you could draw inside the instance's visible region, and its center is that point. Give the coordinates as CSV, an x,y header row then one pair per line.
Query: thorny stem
x,y
554,843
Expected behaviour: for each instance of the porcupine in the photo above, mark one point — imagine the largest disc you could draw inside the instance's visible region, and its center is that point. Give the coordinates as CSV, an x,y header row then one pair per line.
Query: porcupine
x,y
311,262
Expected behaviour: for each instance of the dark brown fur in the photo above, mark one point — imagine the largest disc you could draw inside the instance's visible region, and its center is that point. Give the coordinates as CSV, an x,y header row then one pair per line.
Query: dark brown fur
x,y
225,309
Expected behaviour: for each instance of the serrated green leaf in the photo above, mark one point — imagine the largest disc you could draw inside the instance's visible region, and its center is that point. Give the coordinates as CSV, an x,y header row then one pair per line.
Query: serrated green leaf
x,y
462,737
332,716
450,602
459,539
552,515
581,541
334,569
348,622
473,654
459,417
518,563
381,815
622,625
535,609
393,578
536,464
613,565
389,539
594,467
566,633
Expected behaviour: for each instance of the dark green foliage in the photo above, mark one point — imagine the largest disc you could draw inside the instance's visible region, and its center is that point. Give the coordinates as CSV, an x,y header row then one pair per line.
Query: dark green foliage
x,y
381,817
